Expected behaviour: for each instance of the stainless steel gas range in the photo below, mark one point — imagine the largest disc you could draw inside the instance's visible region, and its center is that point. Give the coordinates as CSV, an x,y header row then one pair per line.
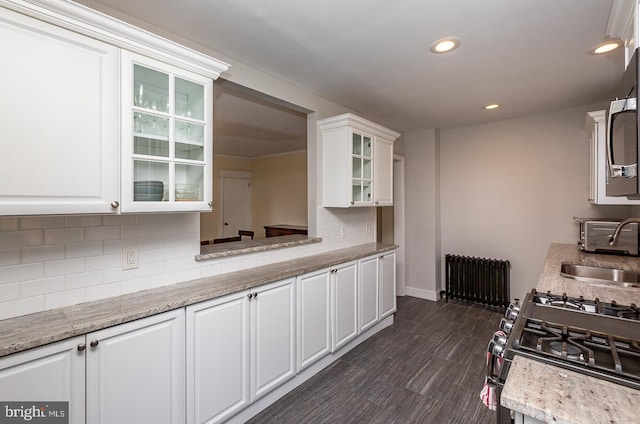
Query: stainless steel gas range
x,y
599,339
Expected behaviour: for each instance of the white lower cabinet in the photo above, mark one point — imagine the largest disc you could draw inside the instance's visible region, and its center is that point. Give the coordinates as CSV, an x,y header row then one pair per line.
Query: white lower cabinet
x,y
314,317
344,304
368,293
54,372
130,373
239,348
387,284
135,371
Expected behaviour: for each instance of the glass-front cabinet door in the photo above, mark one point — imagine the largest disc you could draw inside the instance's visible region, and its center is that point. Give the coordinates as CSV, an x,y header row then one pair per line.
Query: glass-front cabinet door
x,y
361,169
167,147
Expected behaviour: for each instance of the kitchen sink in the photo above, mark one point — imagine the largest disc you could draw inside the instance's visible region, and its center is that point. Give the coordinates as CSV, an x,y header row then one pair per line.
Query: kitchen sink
x,y
601,275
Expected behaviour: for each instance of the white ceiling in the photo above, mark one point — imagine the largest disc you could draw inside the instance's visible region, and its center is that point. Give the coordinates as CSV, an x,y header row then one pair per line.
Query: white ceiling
x,y
373,55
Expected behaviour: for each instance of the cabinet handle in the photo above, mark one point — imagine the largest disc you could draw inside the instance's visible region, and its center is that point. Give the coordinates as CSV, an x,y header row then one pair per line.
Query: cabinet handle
x,y
255,294
351,202
250,295
81,347
93,343
115,204
376,202
210,204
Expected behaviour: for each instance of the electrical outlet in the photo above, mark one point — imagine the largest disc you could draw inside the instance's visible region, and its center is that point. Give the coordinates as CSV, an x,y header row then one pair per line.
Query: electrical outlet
x,y
129,258
342,231
367,229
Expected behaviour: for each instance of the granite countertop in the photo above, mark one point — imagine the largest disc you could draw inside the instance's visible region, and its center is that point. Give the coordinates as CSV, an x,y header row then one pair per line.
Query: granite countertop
x,y
556,395
566,397
33,330
221,250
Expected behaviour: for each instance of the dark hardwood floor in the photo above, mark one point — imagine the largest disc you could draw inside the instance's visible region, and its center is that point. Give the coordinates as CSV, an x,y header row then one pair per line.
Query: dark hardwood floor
x,y
428,367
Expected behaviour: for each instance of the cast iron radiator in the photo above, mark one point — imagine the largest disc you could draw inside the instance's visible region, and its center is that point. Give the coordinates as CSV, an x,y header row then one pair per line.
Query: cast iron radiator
x,y
477,280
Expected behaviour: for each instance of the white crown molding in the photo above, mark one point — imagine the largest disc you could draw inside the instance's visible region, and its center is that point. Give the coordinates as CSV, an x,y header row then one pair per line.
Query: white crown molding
x,y
349,119
620,18
83,20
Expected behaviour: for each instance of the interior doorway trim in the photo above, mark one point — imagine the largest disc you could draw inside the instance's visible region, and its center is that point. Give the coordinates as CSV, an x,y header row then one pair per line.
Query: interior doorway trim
x,y
220,202
398,222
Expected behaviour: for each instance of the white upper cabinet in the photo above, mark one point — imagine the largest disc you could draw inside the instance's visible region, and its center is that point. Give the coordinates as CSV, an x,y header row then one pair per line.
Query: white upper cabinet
x,y
59,112
357,157
624,23
596,126
167,147
99,116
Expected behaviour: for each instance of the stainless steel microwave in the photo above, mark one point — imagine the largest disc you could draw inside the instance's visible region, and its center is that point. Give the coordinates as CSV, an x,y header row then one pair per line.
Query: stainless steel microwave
x,y
622,136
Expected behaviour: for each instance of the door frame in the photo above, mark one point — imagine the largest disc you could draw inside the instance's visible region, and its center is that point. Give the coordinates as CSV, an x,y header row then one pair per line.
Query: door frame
x,y
399,222
221,177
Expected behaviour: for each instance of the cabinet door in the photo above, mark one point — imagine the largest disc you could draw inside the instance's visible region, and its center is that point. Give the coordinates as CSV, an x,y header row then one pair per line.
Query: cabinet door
x,y
314,324
344,289
361,168
387,284
368,293
135,372
273,336
60,120
50,373
167,147
217,359
383,172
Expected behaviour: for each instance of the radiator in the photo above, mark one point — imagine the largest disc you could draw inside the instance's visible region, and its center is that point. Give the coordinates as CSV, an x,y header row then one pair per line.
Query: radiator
x,y
477,280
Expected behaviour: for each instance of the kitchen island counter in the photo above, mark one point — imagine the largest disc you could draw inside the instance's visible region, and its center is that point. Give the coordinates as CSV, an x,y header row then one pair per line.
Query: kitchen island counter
x,y
33,330
556,395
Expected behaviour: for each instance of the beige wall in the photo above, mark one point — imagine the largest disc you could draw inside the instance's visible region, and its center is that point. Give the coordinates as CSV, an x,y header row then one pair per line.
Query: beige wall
x,y
506,190
279,191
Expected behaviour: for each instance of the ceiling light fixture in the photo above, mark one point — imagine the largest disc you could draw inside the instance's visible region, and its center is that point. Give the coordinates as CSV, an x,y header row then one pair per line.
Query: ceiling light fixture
x,y
491,106
606,47
445,45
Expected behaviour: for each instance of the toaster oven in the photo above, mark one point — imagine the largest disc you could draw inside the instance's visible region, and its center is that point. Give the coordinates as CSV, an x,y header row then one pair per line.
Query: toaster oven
x,y
595,234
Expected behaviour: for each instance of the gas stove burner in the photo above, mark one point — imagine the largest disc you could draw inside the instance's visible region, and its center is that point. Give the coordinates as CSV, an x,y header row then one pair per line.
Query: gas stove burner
x,y
621,311
573,352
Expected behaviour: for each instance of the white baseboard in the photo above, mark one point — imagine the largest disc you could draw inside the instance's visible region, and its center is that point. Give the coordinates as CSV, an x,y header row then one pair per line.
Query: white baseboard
x,y
422,294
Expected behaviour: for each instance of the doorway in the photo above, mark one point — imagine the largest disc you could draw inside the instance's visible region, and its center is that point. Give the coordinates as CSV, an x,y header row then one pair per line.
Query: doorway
x,y
236,203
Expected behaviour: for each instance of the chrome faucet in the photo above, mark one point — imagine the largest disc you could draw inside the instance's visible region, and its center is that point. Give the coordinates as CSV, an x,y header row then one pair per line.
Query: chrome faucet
x,y
613,240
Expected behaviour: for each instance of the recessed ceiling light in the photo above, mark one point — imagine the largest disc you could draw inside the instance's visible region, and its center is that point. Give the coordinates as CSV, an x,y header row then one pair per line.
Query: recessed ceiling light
x,y
445,45
491,106
606,47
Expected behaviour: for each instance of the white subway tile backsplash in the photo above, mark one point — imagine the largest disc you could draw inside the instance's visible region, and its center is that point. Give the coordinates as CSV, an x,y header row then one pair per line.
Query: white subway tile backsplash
x,y
88,248
164,279
79,258
17,273
92,263
9,292
8,224
31,288
119,219
136,285
9,257
22,306
64,298
63,267
103,290
83,279
111,232
63,235
39,222
41,253
83,221
14,239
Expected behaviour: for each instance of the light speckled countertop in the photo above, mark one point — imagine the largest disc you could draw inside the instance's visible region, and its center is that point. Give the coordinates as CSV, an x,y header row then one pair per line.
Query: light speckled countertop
x,y
33,330
556,395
